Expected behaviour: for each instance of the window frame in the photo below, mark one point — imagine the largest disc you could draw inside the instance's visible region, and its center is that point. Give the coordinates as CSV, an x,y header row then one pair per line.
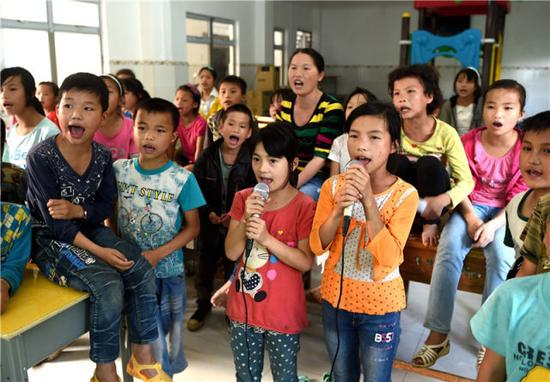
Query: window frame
x,y
51,28
305,33
281,47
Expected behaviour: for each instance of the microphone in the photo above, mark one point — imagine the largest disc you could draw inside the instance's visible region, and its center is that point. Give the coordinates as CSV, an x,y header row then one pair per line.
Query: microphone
x,y
263,190
349,209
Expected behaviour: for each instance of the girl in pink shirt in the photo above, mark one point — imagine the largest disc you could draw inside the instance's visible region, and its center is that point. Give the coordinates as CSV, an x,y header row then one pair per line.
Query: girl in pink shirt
x,y
479,221
192,126
117,131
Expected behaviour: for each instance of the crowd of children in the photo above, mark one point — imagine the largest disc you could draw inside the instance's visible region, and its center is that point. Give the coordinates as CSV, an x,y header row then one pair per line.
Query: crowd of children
x,y
119,183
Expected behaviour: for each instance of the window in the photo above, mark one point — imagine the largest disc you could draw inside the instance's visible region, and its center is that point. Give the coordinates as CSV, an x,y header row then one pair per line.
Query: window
x,y
60,37
278,52
210,41
303,39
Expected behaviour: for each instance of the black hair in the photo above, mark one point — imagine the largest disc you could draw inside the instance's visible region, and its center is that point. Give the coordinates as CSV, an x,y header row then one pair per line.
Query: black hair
x,y
239,108
364,92
116,81
280,141
235,80
283,93
135,86
472,75
191,89
29,87
383,110
318,60
507,84
427,75
2,135
126,72
159,105
211,70
89,83
537,123
53,86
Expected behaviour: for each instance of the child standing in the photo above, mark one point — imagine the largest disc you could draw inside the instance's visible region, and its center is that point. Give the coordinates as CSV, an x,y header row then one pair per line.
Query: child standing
x,y
117,133
19,101
223,169
191,127
266,301
232,92
209,95
428,147
48,93
157,210
493,154
339,155
71,192
134,92
362,289
534,163
464,110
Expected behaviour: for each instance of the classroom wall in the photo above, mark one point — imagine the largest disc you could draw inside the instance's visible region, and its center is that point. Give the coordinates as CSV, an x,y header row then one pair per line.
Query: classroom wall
x,y
359,41
150,38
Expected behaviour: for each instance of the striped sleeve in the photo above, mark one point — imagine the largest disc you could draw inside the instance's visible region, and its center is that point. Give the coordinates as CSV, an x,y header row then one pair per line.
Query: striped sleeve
x,y
330,117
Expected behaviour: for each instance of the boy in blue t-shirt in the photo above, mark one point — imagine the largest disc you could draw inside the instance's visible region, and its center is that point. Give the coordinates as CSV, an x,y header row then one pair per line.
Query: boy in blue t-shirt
x,y
156,198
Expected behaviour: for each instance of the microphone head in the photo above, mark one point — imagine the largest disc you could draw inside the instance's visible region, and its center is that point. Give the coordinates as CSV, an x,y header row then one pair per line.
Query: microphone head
x,y
351,162
262,189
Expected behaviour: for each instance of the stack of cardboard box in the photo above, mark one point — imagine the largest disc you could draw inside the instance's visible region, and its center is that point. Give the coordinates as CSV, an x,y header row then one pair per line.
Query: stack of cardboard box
x,y
267,80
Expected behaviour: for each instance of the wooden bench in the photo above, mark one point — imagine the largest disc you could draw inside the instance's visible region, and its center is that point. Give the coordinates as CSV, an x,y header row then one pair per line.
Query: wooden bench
x,y
40,319
419,261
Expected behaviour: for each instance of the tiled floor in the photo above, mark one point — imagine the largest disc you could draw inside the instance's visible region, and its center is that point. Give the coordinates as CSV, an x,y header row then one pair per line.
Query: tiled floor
x,y
210,357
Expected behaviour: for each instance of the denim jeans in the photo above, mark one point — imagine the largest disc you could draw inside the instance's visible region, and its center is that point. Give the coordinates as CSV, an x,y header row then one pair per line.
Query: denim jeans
x,y
367,342
249,362
454,245
172,299
111,291
312,187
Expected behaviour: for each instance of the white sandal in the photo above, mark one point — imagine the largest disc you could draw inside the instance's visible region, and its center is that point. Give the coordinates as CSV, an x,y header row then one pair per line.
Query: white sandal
x,y
428,355
480,356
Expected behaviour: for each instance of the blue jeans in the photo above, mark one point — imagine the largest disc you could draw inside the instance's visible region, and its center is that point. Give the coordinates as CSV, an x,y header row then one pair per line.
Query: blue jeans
x,y
249,362
367,342
312,187
454,245
111,291
172,299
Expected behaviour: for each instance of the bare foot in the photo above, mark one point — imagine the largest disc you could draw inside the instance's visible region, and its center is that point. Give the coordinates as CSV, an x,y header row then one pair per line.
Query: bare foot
x,y
430,235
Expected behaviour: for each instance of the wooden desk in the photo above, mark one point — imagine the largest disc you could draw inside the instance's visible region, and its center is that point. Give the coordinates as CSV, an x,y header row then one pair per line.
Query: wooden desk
x,y
419,260
41,318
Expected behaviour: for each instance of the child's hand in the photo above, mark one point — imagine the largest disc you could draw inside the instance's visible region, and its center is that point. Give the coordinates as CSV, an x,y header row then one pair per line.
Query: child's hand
x,y
64,210
115,259
359,178
225,219
472,226
152,256
4,295
346,196
484,235
256,230
219,298
254,205
434,206
214,218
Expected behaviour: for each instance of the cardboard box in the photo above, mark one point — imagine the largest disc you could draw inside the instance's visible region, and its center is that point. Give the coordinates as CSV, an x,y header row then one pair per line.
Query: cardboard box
x,y
258,101
267,77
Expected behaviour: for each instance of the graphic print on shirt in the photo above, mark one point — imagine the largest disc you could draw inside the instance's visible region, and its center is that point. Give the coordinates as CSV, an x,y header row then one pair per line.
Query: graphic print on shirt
x,y
535,363
251,280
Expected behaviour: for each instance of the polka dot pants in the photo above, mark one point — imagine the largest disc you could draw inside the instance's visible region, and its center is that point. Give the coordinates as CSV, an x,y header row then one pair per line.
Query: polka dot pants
x,y
249,361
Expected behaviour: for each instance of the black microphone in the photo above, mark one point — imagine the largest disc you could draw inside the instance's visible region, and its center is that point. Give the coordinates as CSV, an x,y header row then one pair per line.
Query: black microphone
x,y
263,190
349,209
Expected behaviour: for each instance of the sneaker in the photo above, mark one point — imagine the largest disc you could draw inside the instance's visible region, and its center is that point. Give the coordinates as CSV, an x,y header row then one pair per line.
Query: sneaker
x,y
197,319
